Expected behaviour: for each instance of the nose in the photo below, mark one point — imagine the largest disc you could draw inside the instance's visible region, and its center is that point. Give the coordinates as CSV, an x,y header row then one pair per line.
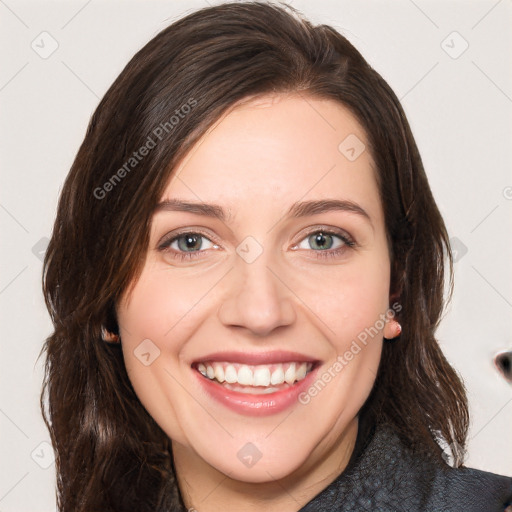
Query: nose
x,y
256,298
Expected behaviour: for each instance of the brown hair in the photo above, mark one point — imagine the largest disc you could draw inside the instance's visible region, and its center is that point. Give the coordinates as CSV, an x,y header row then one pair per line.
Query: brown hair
x,y
110,453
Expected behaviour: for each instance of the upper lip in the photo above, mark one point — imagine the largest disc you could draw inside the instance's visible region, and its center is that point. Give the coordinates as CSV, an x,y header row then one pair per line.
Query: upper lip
x,y
256,358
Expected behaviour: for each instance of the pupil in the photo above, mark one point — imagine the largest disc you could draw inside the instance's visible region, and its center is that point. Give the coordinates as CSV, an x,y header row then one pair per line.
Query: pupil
x,y
191,242
320,240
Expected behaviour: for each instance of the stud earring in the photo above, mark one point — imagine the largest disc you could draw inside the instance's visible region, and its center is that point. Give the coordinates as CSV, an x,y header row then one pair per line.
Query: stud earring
x,y
109,337
395,329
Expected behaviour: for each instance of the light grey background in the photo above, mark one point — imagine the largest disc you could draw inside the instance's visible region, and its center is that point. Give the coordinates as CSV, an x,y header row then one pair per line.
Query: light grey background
x,y
459,106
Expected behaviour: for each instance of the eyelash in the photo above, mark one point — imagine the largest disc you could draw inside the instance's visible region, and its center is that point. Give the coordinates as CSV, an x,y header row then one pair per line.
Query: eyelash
x,y
348,242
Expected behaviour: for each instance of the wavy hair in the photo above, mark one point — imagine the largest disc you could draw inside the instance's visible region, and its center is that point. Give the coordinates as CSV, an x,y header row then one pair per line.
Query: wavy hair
x,y
110,453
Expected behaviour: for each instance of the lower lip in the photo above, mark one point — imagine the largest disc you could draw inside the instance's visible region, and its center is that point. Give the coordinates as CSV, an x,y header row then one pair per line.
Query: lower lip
x,y
256,405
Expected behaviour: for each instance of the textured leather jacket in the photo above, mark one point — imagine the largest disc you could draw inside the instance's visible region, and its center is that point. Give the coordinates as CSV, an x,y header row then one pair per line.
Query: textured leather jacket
x,y
385,476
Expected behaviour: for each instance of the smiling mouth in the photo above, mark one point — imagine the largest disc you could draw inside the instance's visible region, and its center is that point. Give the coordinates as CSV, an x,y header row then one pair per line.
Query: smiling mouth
x,y
254,379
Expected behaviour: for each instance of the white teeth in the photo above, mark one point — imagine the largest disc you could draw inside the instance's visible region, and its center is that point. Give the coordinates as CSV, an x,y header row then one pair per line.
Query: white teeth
x,y
301,371
219,372
277,376
261,377
230,374
289,375
245,376
251,390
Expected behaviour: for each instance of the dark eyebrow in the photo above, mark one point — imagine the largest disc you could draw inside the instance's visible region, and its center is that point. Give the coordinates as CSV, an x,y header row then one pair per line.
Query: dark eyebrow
x,y
300,209
208,210
326,205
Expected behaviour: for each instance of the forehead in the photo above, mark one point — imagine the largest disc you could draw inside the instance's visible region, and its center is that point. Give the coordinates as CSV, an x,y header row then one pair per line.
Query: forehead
x,y
282,148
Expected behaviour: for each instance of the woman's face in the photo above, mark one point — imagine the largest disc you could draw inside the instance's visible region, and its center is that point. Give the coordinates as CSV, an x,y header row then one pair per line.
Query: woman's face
x,y
267,260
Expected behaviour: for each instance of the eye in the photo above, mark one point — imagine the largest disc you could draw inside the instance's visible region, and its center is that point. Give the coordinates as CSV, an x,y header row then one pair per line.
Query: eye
x,y
326,242
191,244
186,245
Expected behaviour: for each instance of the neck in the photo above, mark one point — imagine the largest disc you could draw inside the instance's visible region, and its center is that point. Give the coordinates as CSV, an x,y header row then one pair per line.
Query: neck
x,y
205,489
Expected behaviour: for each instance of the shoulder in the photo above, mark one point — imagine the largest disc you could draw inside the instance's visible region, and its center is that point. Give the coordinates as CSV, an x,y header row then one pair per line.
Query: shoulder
x,y
478,491
430,485
417,483
387,476
434,486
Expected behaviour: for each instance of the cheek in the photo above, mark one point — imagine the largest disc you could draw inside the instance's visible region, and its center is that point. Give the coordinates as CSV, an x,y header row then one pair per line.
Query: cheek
x,y
347,299
351,312
162,303
163,309
369,298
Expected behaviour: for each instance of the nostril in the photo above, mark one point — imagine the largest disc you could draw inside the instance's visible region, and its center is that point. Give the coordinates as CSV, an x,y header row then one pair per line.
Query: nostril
x,y
503,362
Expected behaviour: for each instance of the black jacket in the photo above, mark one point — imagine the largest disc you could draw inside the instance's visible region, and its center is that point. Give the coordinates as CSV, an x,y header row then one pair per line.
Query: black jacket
x,y
384,476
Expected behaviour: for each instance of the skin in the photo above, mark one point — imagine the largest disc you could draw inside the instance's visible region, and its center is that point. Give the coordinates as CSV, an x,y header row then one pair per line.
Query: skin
x,y
261,157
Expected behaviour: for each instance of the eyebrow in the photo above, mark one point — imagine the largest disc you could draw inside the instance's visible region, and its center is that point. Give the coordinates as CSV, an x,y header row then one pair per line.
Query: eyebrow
x,y
299,209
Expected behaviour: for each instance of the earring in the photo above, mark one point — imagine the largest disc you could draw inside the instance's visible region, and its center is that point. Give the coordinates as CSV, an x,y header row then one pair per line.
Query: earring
x,y
109,337
395,328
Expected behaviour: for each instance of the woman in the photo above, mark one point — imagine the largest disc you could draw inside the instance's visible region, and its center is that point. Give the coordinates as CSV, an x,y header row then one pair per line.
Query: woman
x,y
245,277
